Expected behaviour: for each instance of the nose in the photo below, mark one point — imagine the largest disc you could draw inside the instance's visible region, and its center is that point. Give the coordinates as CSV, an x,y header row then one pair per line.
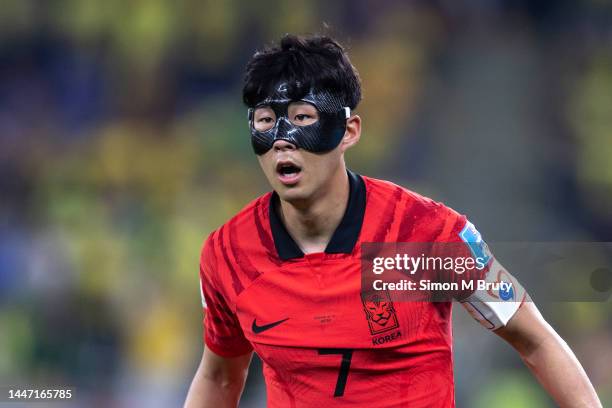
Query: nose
x,y
282,145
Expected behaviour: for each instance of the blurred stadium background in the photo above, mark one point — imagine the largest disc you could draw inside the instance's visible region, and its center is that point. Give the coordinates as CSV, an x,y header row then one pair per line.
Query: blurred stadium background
x,y
123,143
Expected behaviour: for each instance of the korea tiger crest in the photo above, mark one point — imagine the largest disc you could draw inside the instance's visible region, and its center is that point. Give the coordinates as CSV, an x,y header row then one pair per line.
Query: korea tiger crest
x,y
379,311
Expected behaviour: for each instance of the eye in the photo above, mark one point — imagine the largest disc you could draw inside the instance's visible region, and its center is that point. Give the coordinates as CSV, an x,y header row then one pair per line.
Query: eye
x,y
302,117
302,113
264,119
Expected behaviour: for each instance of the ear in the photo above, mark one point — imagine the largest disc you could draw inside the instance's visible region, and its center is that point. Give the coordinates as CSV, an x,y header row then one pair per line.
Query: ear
x,y
352,133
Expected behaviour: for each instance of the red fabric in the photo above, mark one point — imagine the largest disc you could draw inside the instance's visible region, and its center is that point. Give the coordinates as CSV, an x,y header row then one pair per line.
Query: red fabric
x,y
407,361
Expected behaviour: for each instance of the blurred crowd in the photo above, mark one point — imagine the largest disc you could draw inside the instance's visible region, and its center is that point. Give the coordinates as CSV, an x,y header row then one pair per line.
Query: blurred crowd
x,y
124,142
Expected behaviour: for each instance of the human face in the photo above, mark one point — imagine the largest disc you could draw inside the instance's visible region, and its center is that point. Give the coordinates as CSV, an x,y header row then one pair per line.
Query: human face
x,y
296,174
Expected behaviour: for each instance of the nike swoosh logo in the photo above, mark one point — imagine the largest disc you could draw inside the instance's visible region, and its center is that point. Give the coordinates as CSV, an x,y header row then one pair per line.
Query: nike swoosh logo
x,y
258,329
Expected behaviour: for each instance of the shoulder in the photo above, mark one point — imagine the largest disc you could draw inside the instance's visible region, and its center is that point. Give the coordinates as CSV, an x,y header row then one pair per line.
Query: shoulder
x,y
245,223
416,216
386,191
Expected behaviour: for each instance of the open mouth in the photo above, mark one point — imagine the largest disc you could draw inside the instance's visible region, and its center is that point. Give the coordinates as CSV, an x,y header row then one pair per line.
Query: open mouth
x,y
288,172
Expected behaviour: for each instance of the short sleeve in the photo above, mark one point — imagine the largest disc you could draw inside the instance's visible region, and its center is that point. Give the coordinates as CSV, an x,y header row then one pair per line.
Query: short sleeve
x,y
491,295
470,257
222,332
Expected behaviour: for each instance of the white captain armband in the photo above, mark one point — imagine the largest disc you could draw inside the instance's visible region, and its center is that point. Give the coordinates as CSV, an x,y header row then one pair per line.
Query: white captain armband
x,y
202,295
494,305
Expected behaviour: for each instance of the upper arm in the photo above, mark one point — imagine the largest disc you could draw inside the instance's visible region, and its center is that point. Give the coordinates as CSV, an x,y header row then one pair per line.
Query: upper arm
x,y
494,295
496,306
222,331
224,370
219,381
526,330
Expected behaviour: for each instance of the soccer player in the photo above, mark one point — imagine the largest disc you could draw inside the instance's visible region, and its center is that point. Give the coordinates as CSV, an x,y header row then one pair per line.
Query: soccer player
x,y
282,278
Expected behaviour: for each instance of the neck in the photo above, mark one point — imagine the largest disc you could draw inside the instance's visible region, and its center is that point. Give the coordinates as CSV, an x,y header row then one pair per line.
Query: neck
x,y
312,222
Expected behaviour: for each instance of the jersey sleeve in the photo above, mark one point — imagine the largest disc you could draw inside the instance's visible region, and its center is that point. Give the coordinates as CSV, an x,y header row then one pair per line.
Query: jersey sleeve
x,y
222,332
489,292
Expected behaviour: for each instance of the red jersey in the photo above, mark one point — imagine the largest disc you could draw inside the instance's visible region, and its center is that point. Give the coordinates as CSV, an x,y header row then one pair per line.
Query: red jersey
x,y
321,342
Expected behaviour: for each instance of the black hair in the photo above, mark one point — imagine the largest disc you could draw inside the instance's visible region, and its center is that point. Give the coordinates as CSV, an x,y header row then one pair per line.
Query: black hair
x,y
303,62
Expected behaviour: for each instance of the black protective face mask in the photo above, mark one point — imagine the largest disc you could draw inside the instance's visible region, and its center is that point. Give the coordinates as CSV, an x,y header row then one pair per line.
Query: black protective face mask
x,y
319,137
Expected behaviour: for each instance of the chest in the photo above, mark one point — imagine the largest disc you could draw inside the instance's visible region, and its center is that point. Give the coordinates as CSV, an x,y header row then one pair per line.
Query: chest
x,y
318,303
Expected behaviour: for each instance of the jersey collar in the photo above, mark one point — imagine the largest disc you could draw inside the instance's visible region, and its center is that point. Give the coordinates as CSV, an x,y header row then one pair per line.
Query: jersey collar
x,y
344,238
